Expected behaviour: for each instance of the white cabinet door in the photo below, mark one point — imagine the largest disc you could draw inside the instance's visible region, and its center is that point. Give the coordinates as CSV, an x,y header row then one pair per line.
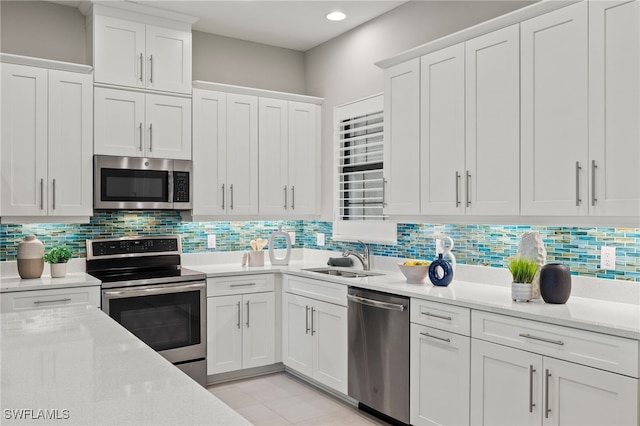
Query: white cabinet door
x,y
402,163
505,385
24,141
258,336
579,395
119,125
330,350
168,59
492,78
554,113
168,120
274,162
242,154
440,378
304,159
209,152
119,51
614,108
442,124
70,164
297,342
224,334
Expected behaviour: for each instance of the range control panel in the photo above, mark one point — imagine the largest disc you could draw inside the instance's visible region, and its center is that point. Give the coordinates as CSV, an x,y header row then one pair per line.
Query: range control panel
x,y
133,245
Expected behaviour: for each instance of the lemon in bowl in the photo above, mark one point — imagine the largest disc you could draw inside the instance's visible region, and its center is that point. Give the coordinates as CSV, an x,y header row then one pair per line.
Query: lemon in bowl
x,y
416,271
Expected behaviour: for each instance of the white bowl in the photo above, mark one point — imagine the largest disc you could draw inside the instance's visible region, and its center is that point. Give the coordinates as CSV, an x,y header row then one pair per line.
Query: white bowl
x,y
415,274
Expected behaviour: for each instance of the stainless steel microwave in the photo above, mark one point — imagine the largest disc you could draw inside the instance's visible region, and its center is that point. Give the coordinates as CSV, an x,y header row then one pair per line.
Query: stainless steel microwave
x,y
135,183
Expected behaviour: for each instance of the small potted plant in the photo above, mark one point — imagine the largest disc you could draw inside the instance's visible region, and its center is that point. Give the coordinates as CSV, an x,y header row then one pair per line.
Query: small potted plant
x,y
523,270
58,258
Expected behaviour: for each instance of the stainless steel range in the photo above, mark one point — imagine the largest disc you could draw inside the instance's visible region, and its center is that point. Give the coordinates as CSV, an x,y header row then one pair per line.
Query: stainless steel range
x,y
145,289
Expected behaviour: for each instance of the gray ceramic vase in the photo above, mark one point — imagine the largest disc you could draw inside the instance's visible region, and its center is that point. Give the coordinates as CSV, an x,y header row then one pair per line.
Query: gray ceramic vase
x,y
555,283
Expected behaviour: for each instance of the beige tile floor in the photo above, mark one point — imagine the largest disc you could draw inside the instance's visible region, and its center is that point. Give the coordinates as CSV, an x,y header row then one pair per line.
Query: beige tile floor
x,y
282,399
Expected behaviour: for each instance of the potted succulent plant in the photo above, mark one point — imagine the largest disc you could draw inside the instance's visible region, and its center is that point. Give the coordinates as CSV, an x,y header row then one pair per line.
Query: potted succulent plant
x,y
58,258
523,271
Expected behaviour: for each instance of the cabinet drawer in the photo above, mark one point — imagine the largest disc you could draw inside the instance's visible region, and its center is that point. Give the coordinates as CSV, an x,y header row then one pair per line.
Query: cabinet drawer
x,y
610,353
240,284
316,289
440,315
37,299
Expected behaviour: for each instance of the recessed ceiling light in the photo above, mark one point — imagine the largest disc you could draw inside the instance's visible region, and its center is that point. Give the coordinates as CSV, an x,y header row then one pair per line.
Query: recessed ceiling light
x,y
335,16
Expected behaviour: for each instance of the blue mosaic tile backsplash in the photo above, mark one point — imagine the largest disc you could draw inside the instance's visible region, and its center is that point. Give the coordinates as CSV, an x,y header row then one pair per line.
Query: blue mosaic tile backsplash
x,y
488,245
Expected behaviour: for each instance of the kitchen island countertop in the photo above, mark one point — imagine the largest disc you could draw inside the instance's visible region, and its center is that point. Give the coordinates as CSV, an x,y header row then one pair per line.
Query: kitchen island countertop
x,y
75,365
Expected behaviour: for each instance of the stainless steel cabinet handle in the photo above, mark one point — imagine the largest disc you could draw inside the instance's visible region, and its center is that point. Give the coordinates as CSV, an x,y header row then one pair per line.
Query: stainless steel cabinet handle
x,y
231,189
140,136
223,194
542,339
248,305
531,403
53,201
293,198
594,200
468,189
375,303
578,199
429,314
141,66
39,302
150,68
444,339
306,317
285,197
547,375
41,194
242,285
384,192
312,330
238,314
150,137
457,189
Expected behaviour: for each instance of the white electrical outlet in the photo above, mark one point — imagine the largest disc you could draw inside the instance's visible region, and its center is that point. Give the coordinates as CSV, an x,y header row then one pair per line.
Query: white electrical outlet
x,y
211,241
320,239
607,257
292,235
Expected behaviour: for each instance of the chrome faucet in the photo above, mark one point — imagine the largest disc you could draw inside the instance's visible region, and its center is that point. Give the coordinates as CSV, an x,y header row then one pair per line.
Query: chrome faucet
x,y
363,258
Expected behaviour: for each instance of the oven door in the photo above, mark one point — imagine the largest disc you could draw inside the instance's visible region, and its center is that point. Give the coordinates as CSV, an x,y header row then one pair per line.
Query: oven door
x,y
170,318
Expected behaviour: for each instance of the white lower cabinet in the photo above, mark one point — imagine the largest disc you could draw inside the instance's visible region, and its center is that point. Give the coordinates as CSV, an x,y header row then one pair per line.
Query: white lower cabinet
x,y
37,299
314,339
240,331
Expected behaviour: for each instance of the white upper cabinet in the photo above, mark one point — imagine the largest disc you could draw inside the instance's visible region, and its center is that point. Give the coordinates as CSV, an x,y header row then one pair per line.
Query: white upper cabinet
x,y
289,155
135,54
614,108
46,142
402,162
554,113
492,178
442,131
136,124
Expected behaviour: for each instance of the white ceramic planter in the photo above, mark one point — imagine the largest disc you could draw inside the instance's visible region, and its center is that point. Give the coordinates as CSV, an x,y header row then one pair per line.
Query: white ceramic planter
x,y
58,270
521,292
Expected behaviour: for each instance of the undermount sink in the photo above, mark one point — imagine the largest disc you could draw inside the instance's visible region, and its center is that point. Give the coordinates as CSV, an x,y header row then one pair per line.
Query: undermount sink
x,y
341,272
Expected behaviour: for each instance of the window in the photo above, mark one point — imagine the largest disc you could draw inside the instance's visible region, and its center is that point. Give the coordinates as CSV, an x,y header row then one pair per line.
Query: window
x,y
359,180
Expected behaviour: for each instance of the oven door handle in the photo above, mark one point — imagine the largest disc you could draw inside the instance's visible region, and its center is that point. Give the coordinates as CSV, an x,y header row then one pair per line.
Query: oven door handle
x,y
151,290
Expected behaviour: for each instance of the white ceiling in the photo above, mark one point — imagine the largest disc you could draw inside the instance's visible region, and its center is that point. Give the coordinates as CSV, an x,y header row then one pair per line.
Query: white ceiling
x,y
292,24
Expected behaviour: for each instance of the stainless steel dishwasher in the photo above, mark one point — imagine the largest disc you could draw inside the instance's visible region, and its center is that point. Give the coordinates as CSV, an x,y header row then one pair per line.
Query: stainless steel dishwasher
x,y
379,352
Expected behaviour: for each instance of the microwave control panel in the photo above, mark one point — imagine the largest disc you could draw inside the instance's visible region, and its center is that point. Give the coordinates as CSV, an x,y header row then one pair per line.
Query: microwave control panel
x,y
180,187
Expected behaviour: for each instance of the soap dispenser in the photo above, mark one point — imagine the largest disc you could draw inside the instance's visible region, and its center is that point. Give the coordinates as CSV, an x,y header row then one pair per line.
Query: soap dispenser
x,y
272,255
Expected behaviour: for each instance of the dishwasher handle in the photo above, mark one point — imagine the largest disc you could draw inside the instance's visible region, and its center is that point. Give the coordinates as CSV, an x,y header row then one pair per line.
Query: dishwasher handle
x,y
376,303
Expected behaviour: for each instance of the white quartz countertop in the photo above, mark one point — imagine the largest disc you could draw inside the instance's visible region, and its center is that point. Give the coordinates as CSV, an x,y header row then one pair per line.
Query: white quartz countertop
x,y
618,319
73,279
75,365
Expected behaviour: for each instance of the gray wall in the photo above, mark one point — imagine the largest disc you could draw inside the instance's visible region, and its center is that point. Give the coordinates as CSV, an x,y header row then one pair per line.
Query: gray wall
x,y
243,63
342,69
44,30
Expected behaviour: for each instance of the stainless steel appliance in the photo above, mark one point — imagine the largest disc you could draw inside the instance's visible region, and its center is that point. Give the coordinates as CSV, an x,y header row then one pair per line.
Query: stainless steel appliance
x,y
379,352
145,289
141,183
